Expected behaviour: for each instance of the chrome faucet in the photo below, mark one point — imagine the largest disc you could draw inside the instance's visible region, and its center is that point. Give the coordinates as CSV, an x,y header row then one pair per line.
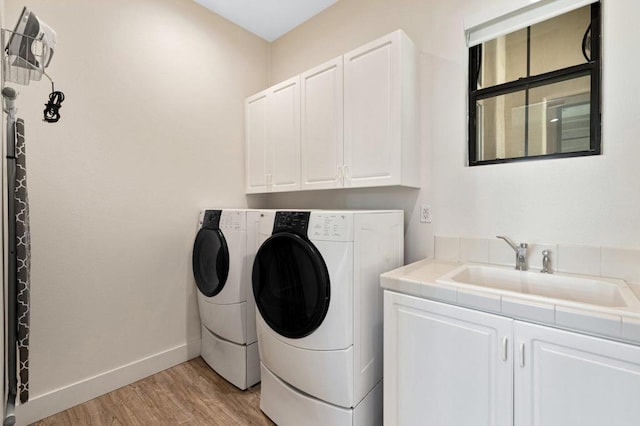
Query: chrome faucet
x,y
546,262
521,253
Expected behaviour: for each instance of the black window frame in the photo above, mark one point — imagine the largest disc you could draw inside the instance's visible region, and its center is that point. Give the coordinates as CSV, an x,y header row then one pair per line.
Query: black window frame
x,y
591,68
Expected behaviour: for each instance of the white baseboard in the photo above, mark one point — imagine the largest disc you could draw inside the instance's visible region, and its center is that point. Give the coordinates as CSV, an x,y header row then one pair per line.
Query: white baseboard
x,y
58,400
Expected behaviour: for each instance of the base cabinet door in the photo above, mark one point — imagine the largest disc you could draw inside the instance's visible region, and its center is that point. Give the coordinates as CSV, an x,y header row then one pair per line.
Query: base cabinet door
x,y
444,365
570,379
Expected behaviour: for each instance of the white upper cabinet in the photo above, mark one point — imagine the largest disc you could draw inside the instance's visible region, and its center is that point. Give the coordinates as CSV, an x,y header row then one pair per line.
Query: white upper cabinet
x,y
322,129
283,133
380,113
257,151
356,118
273,138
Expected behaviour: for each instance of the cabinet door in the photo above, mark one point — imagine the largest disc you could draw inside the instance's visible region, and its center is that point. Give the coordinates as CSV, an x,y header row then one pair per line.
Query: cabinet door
x,y
257,148
283,133
372,113
569,379
445,365
322,130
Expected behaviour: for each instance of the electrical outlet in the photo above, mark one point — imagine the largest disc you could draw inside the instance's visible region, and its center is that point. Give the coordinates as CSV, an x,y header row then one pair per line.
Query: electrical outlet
x,y
425,214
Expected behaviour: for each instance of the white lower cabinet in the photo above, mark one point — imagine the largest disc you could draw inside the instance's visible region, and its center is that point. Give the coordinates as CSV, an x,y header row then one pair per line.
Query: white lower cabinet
x,y
570,379
445,365
450,366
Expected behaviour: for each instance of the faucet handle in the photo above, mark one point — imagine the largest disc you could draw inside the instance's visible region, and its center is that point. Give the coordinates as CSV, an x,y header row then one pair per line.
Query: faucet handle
x,y
546,262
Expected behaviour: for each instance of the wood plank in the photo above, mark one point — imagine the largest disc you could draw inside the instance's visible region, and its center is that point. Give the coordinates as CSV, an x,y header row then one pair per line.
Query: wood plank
x,y
190,393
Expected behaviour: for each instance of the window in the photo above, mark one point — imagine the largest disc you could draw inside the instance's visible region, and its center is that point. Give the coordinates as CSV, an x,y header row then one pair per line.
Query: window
x,y
535,92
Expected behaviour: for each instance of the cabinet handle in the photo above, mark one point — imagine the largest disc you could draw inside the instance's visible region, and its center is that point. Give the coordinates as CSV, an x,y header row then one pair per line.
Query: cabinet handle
x,y
521,354
505,348
345,172
340,177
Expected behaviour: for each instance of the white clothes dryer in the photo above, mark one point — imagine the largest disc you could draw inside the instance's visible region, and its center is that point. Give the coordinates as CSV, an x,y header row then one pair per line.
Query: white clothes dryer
x,y
223,253
316,283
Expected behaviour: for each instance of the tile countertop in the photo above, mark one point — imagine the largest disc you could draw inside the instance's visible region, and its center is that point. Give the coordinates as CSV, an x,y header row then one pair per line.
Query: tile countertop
x,y
419,279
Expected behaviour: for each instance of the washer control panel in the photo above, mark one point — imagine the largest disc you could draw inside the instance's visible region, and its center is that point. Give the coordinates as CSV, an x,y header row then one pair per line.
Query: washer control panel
x,y
231,220
296,222
331,226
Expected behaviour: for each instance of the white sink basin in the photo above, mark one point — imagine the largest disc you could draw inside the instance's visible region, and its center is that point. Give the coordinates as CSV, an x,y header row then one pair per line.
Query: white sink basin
x,y
593,291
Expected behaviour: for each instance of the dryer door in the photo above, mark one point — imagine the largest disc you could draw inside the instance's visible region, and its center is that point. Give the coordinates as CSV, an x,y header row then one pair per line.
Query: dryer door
x,y
210,261
290,285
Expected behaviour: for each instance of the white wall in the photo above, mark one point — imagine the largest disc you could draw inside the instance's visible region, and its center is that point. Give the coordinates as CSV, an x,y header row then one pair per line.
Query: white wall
x,y
592,200
152,130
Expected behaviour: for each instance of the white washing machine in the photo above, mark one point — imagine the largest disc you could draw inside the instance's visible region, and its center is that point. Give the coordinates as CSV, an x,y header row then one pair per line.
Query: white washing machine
x,y
223,253
316,283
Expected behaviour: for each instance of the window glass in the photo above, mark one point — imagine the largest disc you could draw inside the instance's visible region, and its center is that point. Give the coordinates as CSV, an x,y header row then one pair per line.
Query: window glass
x,y
536,92
503,59
501,130
557,43
559,117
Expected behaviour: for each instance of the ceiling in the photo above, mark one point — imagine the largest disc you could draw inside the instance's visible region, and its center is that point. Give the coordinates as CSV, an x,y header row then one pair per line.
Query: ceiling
x,y
268,19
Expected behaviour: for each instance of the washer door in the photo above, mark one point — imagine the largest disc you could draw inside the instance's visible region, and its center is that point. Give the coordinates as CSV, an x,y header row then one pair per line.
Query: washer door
x,y
291,285
210,261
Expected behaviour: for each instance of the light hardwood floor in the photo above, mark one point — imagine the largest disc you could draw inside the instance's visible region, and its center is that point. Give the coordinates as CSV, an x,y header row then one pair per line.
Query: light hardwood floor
x,y
187,394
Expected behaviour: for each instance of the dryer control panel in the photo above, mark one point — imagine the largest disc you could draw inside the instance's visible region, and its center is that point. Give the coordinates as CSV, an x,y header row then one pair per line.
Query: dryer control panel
x,y
211,219
296,222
